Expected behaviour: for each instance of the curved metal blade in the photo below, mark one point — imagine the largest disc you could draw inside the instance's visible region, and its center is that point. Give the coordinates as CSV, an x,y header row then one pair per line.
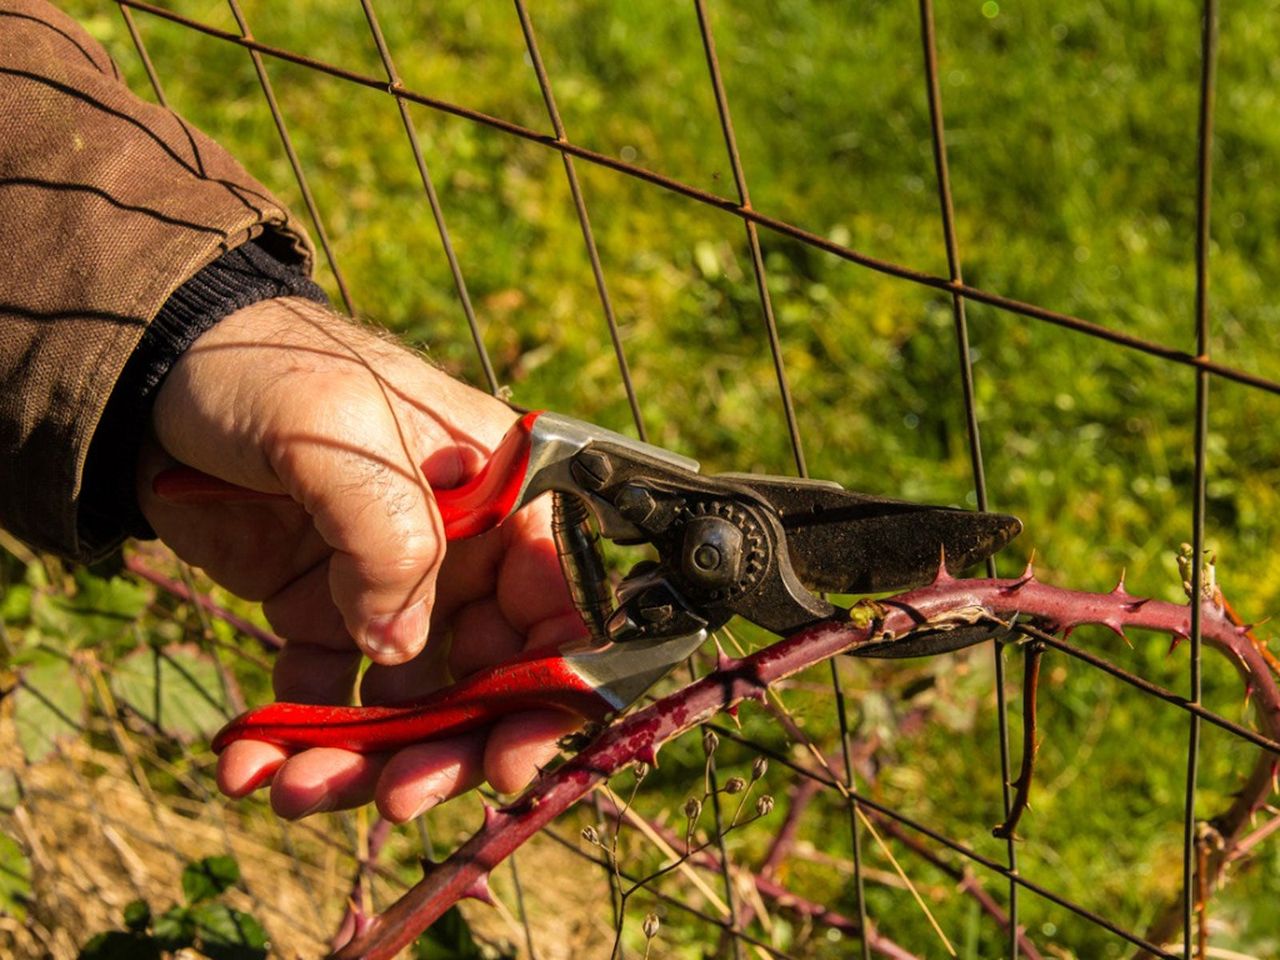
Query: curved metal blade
x,y
846,542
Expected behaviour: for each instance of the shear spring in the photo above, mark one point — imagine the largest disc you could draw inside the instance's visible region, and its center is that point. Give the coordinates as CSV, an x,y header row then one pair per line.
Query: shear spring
x,y
581,560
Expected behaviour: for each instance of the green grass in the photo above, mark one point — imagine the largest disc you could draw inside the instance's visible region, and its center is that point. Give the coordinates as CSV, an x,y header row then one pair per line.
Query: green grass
x,y
1072,128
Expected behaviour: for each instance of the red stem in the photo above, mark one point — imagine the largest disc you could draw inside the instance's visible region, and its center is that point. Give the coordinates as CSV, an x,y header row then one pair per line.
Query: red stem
x,y
135,565
638,736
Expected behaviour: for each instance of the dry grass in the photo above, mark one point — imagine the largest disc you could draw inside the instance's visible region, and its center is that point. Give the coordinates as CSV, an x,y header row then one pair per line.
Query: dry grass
x,y
98,838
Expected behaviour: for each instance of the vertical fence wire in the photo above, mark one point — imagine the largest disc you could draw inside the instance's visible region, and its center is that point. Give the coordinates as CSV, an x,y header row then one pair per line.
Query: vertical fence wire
x,y
433,199
1204,195
584,221
268,92
937,128
793,430
753,236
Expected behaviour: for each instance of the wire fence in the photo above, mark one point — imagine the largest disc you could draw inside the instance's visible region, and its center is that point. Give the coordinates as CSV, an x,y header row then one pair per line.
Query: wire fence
x,y
838,779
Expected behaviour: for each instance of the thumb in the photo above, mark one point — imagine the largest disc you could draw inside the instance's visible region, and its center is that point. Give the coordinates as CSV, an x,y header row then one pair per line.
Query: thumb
x,y
371,504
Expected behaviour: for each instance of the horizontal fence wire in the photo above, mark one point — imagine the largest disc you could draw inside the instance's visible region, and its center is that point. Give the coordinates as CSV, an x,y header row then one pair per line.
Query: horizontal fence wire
x,y
953,284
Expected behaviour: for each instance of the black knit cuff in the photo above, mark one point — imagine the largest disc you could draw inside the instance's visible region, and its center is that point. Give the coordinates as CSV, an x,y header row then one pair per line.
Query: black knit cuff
x,y
244,276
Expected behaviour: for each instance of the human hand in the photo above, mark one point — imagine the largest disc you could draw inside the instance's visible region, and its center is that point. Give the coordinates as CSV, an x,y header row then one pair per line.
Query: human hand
x,y
284,397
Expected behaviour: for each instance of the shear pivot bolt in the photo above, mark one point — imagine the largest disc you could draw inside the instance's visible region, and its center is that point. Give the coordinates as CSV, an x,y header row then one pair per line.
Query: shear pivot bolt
x,y
712,553
706,557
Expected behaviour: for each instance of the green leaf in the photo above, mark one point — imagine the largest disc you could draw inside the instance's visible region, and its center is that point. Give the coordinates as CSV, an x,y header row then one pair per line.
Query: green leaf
x,y
47,706
15,878
228,934
101,610
118,945
175,929
137,915
15,603
176,689
449,938
207,878
10,790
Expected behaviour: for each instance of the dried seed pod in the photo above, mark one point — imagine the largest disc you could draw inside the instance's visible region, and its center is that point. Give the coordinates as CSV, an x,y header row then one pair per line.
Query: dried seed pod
x,y
651,925
764,806
692,808
590,835
709,742
759,768
735,785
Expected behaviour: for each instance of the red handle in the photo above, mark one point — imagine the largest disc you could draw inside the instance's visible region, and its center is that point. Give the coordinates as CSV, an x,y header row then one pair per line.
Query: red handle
x,y
478,505
539,681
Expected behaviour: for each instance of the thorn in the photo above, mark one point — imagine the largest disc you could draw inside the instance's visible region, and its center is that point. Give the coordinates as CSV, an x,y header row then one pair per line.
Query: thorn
x,y
1068,630
648,754
1116,627
1029,572
1119,590
1248,693
724,662
1178,637
492,815
732,710
760,694
427,865
478,889
1016,585
1137,603
942,576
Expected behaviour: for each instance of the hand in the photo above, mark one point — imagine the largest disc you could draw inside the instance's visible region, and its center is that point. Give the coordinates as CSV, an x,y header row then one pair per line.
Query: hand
x,y
284,397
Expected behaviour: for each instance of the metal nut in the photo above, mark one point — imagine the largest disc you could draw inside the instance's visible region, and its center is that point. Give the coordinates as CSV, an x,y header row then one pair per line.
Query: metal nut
x,y
591,469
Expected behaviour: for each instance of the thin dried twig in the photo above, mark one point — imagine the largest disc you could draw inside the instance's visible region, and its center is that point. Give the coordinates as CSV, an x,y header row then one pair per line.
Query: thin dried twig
x,y
1022,786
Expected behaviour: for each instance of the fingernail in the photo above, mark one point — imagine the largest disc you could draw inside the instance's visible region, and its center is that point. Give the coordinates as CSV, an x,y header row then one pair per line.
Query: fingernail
x,y
320,806
429,801
394,637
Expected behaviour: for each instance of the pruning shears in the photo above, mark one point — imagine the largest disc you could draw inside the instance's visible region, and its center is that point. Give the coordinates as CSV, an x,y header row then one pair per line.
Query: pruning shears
x,y
763,548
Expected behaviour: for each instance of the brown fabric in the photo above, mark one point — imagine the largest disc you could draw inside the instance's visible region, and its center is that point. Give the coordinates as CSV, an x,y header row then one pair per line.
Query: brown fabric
x,y
107,204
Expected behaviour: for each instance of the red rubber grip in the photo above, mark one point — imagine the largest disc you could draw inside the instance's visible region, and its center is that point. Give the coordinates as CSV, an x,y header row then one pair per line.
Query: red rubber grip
x,y
478,505
538,681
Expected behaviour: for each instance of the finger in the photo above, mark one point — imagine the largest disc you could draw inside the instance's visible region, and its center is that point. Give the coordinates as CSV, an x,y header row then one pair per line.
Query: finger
x,y
482,637
303,609
252,549
246,765
426,672
531,584
520,745
323,779
420,777
469,573
372,505
309,673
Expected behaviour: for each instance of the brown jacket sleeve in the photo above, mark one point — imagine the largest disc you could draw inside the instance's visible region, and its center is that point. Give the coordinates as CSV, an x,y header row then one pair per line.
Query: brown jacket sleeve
x,y
107,204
